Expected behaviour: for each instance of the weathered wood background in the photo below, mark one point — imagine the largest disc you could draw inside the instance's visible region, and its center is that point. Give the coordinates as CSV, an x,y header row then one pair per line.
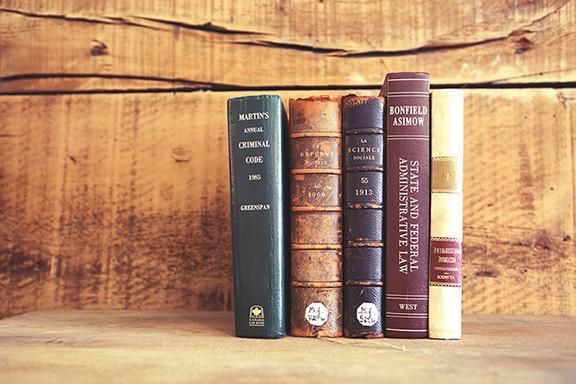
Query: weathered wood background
x,y
113,149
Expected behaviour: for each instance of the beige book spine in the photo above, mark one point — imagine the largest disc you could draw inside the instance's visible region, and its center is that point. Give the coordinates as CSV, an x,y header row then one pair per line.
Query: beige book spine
x,y
445,274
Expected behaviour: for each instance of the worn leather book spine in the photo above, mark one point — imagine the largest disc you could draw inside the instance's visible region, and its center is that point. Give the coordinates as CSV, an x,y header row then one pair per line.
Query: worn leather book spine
x,y
407,203
258,192
446,215
363,127
316,217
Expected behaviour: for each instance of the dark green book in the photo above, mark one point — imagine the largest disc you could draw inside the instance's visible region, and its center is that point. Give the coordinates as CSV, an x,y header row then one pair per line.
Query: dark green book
x,y
256,137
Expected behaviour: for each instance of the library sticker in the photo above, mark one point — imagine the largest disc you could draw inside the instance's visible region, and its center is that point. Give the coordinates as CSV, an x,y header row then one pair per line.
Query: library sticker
x,y
316,314
367,314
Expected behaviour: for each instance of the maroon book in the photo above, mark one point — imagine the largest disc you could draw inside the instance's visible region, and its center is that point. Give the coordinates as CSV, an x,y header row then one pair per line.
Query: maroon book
x,y
407,203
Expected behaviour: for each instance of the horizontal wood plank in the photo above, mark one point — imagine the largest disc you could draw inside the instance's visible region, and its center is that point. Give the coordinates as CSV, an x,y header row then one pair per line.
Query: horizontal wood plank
x,y
170,346
122,201
102,45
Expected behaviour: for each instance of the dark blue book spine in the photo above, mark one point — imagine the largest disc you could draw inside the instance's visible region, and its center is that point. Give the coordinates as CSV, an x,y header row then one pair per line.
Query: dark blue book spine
x,y
363,122
256,130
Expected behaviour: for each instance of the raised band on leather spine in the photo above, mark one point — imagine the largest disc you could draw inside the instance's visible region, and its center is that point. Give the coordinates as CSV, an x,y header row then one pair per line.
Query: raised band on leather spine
x,y
316,246
316,209
314,134
315,171
317,284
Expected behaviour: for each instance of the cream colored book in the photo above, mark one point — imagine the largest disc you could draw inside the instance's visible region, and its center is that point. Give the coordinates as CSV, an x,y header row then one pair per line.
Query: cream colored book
x,y
445,273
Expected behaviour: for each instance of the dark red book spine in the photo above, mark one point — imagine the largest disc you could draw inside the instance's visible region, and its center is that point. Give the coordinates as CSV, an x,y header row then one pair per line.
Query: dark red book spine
x,y
407,203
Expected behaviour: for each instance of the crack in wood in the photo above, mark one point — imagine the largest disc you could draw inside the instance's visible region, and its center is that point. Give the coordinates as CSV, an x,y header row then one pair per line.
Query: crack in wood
x,y
547,15
79,18
209,26
206,27
185,85
521,39
293,46
344,53
135,20
500,82
517,35
32,76
424,49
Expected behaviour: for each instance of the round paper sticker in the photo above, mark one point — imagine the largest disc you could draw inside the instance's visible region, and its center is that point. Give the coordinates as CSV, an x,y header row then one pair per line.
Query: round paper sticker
x,y
316,314
367,314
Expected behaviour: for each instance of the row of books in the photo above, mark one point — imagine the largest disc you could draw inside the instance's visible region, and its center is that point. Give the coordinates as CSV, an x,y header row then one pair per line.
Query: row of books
x,y
347,215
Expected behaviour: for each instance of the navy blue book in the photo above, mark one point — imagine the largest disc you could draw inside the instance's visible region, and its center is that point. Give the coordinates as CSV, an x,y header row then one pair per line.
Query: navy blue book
x,y
258,186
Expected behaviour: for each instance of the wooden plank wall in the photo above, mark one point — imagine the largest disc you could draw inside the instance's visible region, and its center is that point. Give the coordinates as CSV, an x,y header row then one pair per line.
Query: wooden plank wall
x,y
113,149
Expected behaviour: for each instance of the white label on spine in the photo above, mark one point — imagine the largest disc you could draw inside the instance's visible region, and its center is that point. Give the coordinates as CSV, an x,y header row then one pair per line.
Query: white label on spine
x,y
367,314
316,314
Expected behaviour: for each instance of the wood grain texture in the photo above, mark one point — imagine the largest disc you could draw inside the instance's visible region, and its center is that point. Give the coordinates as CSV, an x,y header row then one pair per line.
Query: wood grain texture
x,y
519,226
122,201
177,347
101,45
113,201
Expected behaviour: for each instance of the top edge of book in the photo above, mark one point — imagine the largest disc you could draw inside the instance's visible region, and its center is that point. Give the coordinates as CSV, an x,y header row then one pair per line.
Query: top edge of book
x,y
254,97
406,83
360,98
362,112
367,97
322,98
398,76
447,93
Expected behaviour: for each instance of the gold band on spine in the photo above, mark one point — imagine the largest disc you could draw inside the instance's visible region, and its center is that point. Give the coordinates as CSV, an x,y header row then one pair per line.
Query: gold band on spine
x,y
319,284
316,246
300,135
446,175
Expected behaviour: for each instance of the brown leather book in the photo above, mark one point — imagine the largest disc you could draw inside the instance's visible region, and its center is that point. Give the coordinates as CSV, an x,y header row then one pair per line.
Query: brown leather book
x,y
316,217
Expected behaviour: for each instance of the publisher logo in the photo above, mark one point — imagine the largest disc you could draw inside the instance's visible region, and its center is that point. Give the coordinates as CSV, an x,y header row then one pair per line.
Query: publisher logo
x,y
367,314
316,314
256,317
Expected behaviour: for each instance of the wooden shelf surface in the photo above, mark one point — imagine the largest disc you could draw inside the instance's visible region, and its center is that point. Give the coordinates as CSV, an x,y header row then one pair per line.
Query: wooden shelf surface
x,y
178,346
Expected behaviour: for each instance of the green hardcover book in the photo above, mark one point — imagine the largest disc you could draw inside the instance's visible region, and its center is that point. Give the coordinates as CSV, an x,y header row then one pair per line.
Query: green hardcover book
x,y
258,185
